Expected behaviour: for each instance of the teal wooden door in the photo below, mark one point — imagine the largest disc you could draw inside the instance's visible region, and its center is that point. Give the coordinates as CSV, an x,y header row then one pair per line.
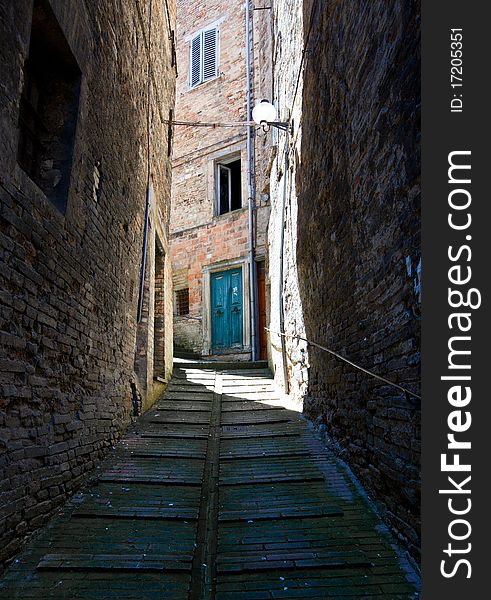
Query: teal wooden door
x,y
226,309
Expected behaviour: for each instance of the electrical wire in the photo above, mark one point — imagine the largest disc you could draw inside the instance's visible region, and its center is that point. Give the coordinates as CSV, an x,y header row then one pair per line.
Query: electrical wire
x,y
213,125
167,12
349,362
304,52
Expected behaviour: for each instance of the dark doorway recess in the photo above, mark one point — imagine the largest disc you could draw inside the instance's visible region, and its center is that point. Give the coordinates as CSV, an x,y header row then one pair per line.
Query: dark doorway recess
x,y
261,304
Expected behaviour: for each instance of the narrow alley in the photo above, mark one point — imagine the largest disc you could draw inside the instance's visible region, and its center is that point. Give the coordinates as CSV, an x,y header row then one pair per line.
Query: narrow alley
x,y
218,492
210,299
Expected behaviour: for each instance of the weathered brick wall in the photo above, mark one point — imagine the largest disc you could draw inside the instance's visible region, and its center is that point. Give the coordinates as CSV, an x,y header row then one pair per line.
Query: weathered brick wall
x,y
221,99
198,236
191,250
69,282
354,217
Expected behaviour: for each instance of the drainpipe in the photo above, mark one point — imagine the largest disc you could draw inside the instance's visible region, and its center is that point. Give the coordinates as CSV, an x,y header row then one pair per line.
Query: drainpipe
x,y
147,200
144,255
282,247
250,186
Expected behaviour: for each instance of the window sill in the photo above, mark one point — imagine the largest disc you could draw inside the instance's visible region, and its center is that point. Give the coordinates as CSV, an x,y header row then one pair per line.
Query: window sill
x,y
186,318
29,188
232,213
201,85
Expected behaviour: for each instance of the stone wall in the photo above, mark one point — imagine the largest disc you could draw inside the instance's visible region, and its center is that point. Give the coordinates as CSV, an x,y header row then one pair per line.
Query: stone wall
x,y
288,357
352,224
70,273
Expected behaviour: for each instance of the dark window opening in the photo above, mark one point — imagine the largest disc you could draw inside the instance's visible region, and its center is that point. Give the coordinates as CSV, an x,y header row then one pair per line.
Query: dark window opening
x,y
229,186
48,107
182,302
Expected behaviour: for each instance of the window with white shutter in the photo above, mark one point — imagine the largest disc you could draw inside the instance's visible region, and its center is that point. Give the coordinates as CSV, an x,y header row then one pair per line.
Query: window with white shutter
x,y
210,39
195,74
203,57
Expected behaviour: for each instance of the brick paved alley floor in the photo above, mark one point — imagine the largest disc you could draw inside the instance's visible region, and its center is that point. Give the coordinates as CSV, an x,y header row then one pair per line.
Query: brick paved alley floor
x,y
216,492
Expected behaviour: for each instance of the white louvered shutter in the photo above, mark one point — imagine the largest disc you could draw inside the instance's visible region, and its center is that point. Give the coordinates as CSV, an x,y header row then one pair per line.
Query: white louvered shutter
x,y
210,51
195,70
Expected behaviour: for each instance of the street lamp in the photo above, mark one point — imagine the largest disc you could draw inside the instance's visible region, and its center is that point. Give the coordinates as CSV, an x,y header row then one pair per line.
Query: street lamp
x,y
265,114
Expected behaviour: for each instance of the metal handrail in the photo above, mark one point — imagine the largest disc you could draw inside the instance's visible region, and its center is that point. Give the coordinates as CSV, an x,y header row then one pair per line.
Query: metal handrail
x,y
310,343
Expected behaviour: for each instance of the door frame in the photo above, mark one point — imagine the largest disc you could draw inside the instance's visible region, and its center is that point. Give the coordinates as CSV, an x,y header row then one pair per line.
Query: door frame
x,y
262,299
246,322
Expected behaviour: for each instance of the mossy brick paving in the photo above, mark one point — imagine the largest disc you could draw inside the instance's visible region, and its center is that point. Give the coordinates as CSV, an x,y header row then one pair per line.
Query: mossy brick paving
x,y
213,493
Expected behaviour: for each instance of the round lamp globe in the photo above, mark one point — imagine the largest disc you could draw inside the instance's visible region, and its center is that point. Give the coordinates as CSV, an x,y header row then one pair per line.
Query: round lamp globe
x,y
263,112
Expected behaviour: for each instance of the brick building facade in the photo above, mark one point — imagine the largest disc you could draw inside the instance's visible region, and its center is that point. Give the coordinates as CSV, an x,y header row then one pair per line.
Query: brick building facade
x,y
87,90
348,74
210,219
